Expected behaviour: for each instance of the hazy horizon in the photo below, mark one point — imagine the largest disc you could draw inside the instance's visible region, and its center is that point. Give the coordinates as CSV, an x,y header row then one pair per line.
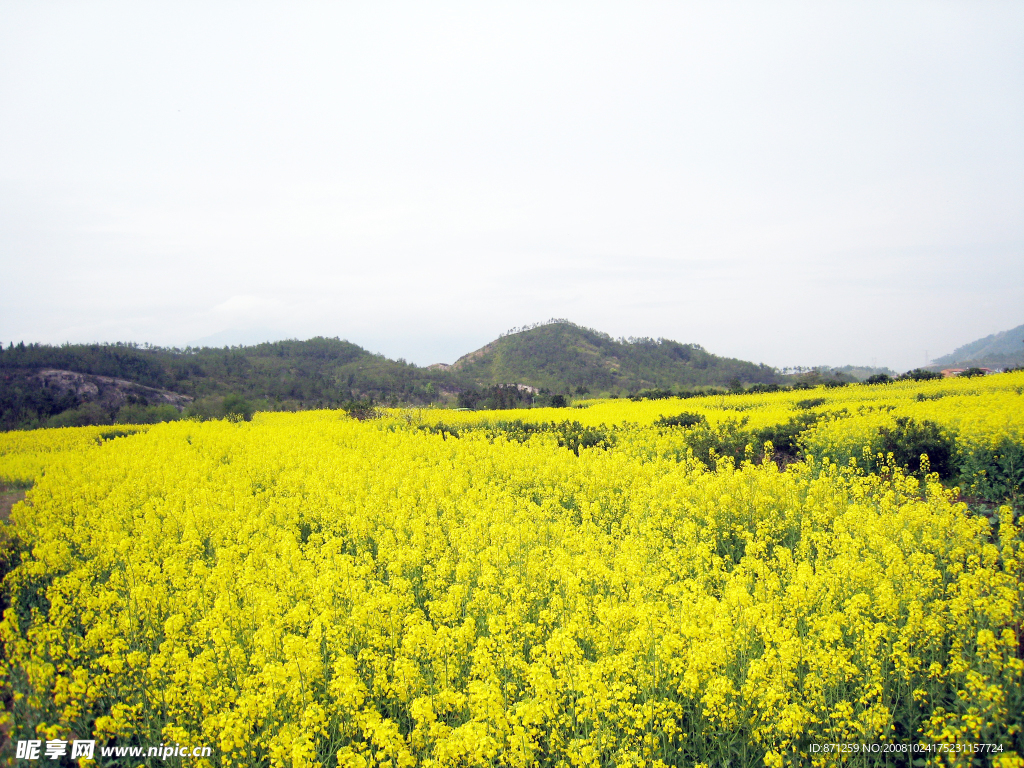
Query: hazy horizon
x,y
248,338
792,184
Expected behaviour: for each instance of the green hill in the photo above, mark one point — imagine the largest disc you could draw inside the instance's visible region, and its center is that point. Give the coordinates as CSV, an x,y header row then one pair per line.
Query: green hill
x,y
42,385
318,373
563,357
1000,350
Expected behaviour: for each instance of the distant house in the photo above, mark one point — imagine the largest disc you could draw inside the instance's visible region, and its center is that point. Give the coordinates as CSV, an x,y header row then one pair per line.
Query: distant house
x,y
947,372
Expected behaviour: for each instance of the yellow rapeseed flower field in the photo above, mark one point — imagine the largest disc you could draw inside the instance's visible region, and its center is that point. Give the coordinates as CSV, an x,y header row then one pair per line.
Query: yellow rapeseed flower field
x,y
444,588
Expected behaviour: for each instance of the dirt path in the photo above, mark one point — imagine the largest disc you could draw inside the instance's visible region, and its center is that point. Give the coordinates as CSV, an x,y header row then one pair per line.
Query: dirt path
x,y
8,498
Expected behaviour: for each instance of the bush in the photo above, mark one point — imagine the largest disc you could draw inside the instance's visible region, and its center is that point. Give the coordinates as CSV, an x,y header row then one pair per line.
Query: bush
x,y
812,402
113,434
233,407
442,429
908,439
497,398
921,374
204,409
652,394
146,414
570,434
785,437
680,420
995,474
732,438
85,415
361,410
878,378
761,388
709,443
573,435
237,408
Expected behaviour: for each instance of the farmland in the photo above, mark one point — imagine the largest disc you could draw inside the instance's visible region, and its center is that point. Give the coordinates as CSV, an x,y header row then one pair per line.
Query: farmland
x,y
731,579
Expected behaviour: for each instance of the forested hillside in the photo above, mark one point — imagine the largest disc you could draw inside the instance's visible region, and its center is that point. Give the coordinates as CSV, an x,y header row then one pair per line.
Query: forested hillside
x,y
288,375
562,356
999,350
77,384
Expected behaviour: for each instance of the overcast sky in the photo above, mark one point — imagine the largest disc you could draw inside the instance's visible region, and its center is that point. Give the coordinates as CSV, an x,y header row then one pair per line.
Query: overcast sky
x,y
789,183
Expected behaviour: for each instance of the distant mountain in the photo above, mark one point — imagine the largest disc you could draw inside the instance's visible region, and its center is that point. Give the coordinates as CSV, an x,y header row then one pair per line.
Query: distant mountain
x,y
564,357
1000,350
42,385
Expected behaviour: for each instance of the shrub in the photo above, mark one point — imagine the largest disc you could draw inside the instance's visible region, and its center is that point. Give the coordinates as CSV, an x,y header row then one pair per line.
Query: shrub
x,y
496,398
237,408
994,473
680,420
361,410
921,374
728,439
570,434
785,437
134,413
652,394
812,402
573,435
85,415
908,439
